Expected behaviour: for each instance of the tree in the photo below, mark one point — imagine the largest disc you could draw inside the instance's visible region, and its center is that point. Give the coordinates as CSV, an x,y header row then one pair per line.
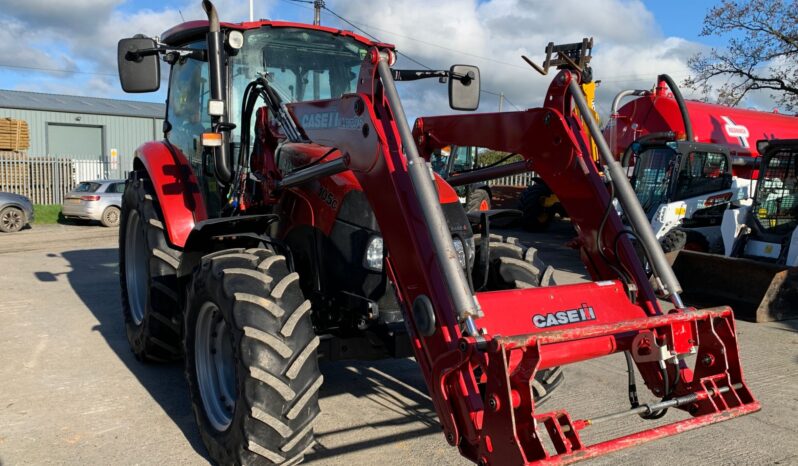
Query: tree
x,y
762,52
490,157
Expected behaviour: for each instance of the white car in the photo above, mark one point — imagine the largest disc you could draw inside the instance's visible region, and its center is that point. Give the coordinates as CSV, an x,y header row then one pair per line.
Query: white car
x,y
99,200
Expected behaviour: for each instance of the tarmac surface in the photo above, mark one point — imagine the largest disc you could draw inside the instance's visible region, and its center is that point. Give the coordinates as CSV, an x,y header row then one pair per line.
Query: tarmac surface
x,y
72,393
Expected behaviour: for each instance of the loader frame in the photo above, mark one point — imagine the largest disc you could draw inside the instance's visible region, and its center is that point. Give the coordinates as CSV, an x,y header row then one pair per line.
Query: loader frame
x,y
486,347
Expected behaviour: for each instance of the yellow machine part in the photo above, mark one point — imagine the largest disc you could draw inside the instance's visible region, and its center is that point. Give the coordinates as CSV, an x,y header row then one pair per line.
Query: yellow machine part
x,y
589,89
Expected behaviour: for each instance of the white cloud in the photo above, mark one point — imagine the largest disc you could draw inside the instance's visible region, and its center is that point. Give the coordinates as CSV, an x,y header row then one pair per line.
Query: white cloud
x,y
630,49
38,35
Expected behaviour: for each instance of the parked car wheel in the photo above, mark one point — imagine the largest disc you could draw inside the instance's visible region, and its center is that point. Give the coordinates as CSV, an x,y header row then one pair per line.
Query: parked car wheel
x,y
110,217
12,220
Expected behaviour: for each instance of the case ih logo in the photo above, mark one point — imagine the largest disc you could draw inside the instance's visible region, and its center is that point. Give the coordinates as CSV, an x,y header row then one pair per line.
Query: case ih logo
x,y
582,314
325,120
736,131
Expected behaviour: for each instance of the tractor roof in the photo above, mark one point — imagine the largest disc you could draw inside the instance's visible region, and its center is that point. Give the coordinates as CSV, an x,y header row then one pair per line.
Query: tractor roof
x,y
193,29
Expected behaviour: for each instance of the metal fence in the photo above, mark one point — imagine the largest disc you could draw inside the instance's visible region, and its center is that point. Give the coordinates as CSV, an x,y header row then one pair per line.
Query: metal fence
x,y
45,180
521,180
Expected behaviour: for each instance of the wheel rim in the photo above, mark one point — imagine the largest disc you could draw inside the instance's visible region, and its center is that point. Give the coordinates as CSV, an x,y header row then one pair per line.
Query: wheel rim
x,y
136,267
11,220
215,366
112,217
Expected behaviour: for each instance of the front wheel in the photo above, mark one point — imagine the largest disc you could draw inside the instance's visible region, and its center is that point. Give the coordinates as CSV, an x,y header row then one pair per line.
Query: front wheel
x,y
512,265
251,361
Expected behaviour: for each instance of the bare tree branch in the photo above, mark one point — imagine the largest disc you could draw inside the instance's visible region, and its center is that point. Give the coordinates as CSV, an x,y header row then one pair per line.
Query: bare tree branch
x,y
761,53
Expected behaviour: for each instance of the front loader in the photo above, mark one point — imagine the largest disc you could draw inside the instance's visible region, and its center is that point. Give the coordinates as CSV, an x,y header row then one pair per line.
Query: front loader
x,y
288,171
758,272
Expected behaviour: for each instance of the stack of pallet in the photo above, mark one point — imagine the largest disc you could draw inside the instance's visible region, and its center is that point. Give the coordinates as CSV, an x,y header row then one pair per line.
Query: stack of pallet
x,y
14,172
14,135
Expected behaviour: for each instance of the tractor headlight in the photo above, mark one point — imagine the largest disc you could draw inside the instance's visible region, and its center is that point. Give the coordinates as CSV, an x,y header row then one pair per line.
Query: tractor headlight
x,y
461,252
373,258
235,39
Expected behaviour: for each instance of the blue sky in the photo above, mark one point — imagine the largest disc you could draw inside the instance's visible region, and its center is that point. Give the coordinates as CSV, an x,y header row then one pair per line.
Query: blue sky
x,y
73,51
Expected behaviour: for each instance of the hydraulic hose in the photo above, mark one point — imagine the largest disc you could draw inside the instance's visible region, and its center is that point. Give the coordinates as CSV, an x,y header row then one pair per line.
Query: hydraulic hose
x,y
677,94
631,206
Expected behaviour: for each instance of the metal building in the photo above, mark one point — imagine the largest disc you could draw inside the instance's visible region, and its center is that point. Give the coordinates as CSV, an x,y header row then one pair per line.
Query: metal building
x,y
87,128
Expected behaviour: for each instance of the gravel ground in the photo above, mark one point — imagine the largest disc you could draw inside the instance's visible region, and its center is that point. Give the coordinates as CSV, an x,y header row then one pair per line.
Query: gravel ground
x,y
72,393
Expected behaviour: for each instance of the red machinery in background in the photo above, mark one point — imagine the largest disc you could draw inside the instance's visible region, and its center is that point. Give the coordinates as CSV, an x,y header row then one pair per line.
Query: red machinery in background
x,y
658,111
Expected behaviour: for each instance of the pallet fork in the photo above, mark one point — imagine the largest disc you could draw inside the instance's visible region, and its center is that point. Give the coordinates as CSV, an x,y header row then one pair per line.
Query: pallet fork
x,y
618,312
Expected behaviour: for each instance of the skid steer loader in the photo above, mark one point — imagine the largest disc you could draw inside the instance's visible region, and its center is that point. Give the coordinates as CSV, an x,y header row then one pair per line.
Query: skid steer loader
x,y
288,210
689,161
758,273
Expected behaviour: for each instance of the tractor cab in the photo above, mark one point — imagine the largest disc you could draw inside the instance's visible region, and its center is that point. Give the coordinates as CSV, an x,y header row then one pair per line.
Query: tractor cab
x,y
684,184
453,160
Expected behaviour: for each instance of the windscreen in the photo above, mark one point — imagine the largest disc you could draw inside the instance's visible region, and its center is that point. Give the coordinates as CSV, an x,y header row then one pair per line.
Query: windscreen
x,y
87,187
300,64
652,177
776,201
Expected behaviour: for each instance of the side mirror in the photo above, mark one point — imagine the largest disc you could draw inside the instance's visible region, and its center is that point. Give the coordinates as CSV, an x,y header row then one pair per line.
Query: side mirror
x,y
464,87
139,68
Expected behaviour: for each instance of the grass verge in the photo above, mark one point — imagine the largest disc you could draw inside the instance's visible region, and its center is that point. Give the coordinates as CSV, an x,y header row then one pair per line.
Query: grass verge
x,y
46,213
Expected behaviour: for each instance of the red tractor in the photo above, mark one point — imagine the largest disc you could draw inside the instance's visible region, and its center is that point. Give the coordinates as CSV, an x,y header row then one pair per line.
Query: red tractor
x,y
287,214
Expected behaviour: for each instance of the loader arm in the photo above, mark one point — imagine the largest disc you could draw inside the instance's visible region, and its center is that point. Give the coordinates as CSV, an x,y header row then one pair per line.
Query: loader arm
x,y
483,350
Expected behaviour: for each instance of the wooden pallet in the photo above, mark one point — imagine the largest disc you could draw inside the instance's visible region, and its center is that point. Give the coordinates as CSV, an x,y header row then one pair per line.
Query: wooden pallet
x,y
14,135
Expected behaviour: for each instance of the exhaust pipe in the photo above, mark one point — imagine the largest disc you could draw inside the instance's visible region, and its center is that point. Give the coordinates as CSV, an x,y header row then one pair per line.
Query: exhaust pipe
x,y
218,89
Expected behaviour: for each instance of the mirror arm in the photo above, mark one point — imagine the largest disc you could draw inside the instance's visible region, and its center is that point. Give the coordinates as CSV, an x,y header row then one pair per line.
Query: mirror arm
x,y
414,75
138,55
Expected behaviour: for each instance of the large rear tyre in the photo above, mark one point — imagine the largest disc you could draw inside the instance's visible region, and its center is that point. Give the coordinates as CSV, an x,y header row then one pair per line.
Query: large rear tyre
x,y
148,276
512,265
533,203
478,201
251,361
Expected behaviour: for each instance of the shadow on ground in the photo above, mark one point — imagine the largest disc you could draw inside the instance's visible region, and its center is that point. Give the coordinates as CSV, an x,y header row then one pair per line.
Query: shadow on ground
x,y
398,390
94,277
396,385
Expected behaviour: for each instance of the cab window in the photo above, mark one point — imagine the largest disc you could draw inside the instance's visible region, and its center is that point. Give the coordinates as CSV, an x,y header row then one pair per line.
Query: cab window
x,y
187,107
702,173
463,159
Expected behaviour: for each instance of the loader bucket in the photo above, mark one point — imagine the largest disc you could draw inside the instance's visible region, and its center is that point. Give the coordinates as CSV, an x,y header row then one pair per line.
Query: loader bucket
x,y
757,291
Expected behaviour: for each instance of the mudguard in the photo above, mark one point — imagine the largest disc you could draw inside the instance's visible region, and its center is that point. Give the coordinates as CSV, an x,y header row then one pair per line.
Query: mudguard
x,y
176,187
